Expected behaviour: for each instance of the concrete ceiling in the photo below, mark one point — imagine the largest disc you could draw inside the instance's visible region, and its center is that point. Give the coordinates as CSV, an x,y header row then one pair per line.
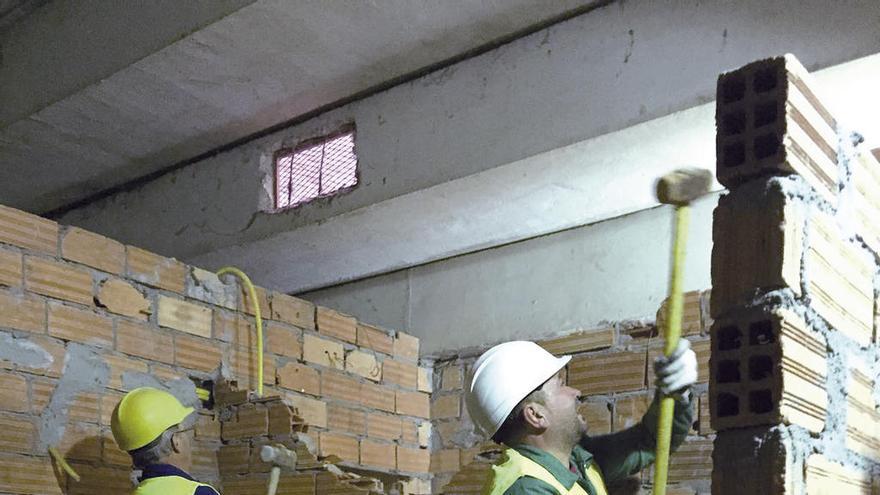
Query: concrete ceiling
x,y
95,95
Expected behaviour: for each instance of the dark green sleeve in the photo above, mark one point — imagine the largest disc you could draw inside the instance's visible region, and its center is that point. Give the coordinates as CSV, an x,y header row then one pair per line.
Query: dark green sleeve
x,y
530,486
627,452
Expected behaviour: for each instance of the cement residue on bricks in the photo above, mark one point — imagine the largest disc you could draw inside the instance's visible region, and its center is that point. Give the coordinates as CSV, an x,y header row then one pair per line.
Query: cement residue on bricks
x,y
24,352
207,287
154,270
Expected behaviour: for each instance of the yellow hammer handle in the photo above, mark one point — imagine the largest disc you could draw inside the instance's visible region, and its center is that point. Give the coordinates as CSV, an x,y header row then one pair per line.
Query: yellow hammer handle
x,y
671,335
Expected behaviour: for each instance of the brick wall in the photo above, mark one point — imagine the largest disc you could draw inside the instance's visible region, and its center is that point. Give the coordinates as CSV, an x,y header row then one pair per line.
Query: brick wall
x,y
793,391
84,318
610,365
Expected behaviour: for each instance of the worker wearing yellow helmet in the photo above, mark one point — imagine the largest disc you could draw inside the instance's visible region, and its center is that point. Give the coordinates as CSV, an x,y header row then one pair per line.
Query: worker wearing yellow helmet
x,y
146,424
517,395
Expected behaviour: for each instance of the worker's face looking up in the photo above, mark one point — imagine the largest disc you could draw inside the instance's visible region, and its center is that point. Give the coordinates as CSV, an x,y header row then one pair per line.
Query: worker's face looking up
x,y
558,415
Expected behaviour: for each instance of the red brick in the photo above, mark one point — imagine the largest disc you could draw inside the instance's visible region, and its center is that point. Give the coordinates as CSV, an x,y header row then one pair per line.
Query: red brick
x,y
122,298
757,244
445,461
281,418
99,479
185,316
340,418
13,393
139,339
93,250
399,373
413,460
383,426
246,304
197,353
11,268
292,310
375,339
801,131
251,420
70,323
235,328
410,432
692,316
335,324
628,411
324,352
377,454
207,426
17,433
299,377
340,386
28,231
343,446
22,313
406,346
28,475
413,404
588,340
155,270
58,280
605,373
377,397
234,459
313,411
283,340
244,365
597,416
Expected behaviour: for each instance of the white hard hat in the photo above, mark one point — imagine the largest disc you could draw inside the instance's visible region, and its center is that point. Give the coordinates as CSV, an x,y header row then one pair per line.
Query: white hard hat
x,y
502,377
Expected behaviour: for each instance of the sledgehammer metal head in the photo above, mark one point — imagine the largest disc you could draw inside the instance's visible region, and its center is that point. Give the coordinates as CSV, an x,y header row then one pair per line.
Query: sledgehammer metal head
x,y
684,185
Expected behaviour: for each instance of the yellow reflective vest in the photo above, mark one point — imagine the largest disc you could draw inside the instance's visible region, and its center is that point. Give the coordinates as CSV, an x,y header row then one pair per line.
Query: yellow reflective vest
x,y
513,466
169,485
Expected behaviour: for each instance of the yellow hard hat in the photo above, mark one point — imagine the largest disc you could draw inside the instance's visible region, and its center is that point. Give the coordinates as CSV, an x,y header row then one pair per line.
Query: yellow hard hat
x,y
143,414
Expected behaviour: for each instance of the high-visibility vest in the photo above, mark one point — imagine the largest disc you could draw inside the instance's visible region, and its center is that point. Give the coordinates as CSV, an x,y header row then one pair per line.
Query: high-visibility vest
x,y
513,466
168,485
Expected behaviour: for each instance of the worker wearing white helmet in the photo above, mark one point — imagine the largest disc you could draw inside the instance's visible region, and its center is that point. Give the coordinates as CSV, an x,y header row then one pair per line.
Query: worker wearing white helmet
x,y
517,396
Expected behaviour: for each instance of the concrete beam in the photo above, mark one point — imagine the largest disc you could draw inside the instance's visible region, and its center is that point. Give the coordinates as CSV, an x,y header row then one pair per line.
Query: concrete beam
x,y
67,45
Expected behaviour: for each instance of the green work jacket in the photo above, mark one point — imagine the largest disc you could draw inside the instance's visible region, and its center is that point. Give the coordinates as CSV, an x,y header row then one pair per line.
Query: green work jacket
x,y
618,455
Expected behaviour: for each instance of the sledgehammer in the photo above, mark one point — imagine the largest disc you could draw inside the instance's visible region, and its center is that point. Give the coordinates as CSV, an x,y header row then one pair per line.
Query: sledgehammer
x,y
678,188
280,456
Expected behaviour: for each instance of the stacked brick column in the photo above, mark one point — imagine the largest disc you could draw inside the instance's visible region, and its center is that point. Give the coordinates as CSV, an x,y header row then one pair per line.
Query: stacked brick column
x,y
794,269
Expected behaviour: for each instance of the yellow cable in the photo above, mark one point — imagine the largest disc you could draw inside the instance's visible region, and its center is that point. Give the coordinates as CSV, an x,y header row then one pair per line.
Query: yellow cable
x,y
62,463
671,335
259,317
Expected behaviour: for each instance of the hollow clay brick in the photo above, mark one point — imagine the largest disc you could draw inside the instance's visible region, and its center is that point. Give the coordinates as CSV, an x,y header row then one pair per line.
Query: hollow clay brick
x,y
335,324
11,268
325,352
58,280
375,339
767,368
122,298
185,316
28,231
605,373
588,340
771,122
93,250
155,270
69,323
841,282
757,245
299,377
293,310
